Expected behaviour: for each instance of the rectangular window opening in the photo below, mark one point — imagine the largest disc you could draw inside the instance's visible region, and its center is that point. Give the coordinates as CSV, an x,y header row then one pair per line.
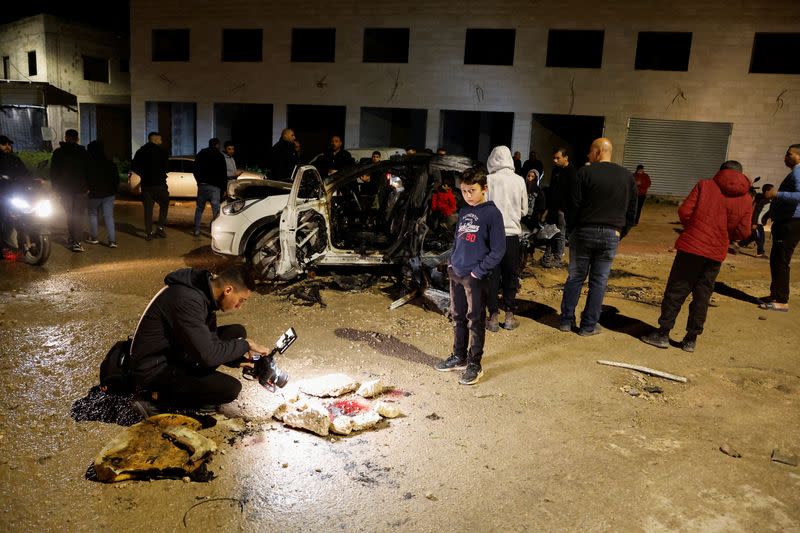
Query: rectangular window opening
x,y
775,53
32,63
242,45
489,46
313,45
663,50
575,48
95,69
171,45
386,45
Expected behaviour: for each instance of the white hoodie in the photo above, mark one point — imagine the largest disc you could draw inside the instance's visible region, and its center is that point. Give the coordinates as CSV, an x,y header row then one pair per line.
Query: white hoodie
x,y
506,189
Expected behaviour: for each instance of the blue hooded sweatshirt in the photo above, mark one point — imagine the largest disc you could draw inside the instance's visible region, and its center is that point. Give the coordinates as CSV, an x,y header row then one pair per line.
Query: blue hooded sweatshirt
x,y
480,241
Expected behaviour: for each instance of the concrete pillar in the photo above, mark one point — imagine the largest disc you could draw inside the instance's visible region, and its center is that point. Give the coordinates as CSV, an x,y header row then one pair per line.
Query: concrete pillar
x,y
138,126
279,121
433,129
521,134
204,125
352,126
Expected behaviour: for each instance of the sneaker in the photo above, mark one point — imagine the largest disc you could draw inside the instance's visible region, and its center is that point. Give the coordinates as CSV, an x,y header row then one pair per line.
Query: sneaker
x,y
149,236
196,233
77,247
92,240
161,232
689,343
659,340
493,324
112,244
566,327
146,408
471,375
452,363
510,322
596,330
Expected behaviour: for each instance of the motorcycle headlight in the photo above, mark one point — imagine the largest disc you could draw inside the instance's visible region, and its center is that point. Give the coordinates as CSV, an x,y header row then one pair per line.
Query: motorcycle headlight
x,y
236,206
20,203
44,208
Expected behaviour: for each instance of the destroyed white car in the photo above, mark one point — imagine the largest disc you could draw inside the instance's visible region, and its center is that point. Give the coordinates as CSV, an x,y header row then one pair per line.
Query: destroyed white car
x,y
285,229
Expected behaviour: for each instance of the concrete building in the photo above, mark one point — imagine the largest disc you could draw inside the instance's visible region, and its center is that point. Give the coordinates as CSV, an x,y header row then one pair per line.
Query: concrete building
x,y
678,86
59,75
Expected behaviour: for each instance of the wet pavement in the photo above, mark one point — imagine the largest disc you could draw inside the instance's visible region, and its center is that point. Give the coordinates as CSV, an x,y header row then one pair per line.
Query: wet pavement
x,y
548,440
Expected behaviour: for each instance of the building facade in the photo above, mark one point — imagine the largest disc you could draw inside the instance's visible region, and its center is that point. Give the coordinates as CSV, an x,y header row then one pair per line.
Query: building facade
x,y
90,64
678,86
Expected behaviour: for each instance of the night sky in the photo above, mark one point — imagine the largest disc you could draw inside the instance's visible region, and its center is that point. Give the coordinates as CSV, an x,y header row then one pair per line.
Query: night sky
x,y
112,14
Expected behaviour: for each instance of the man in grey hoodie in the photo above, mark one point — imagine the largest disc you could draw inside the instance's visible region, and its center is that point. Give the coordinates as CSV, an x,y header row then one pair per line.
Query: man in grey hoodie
x,y
507,190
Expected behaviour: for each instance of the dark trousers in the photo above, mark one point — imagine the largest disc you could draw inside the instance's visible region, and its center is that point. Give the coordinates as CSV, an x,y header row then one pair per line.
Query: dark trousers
x,y
157,194
693,274
639,204
75,207
505,276
192,387
785,236
555,246
467,300
758,236
210,194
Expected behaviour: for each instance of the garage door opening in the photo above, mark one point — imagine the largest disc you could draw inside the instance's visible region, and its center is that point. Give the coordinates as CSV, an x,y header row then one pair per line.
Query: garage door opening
x,y
393,127
475,133
573,132
249,127
314,125
109,123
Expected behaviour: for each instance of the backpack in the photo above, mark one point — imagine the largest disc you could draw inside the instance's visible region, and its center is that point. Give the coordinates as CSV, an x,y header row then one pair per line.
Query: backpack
x,y
114,373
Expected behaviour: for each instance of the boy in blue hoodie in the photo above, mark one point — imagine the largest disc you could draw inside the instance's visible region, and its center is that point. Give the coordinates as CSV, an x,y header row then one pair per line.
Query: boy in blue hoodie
x,y
480,243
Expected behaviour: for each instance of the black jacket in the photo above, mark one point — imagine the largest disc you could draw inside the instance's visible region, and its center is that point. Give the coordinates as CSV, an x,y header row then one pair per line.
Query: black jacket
x,y
283,159
603,194
13,167
180,330
103,175
338,161
150,162
210,168
557,190
69,169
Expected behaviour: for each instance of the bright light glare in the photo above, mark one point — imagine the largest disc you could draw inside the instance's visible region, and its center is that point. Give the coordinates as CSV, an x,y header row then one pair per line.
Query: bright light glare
x,y
20,203
44,208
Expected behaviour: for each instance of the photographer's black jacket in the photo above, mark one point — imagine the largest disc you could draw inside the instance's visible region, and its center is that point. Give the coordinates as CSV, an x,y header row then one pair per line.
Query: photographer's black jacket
x,y
179,329
150,162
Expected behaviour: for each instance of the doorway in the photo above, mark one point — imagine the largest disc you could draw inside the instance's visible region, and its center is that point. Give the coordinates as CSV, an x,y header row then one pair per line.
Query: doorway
x,y
314,125
475,133
573,132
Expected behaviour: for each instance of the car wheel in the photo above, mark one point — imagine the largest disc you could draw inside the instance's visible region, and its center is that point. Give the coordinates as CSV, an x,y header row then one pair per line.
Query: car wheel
x,y
265,254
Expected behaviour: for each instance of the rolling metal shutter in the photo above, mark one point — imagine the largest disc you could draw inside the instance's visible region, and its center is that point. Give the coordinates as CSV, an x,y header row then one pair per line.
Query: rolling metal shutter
x,y
676,153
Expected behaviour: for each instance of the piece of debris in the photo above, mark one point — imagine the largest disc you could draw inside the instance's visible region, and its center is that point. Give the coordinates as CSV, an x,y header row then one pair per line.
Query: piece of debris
x,y
404,300
356,282
372,388
646,370
762,317
330,385
727,450
633,392
436,299
433,416
387,410
653,389
431,497
778,457
309,414
341,416
162,446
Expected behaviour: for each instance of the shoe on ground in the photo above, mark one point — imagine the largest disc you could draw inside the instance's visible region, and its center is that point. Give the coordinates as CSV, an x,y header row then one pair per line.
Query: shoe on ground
x,y
146,408
688,344
452,363
112,244
471,375
566,327
77,247
596,330
92,240
161,232
493,324
196,233
659,340
149,236
510,322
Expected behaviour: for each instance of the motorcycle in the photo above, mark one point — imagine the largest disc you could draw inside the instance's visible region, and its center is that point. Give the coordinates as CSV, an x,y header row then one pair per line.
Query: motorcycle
x,y
25,209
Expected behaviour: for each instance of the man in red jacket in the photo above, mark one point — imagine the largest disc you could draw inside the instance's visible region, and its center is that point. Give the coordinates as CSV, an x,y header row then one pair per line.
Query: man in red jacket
x,y
716,212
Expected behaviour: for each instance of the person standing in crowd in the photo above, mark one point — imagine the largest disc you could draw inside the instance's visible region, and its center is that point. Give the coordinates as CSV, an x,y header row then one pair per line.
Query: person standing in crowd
x,y
508,192
643,183
518,163
335,158
785,214
376,157
478,248
533,162
69,174
103,184
601,209
284,156
210,172
230,163
717,211
562,175
150,163
10,164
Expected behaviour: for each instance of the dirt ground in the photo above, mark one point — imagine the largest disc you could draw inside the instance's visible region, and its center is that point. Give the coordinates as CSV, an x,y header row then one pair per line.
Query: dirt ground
x,y
548,440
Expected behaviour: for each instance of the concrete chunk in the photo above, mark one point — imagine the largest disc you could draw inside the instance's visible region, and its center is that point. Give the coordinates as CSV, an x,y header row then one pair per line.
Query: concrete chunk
x,y
372,388
309,415
387,410
330,385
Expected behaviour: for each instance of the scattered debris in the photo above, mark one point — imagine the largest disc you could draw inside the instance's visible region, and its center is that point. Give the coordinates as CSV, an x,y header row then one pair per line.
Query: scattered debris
x,y
438,300
431,497
727,450
633,392
370,389
356,282
653,389
330,385
103,407
306,414
404,300
778,457
433,416
162,446
387,410
646,370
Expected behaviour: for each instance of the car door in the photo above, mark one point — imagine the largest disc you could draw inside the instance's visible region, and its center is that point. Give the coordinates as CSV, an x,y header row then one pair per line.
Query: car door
x,y
304,224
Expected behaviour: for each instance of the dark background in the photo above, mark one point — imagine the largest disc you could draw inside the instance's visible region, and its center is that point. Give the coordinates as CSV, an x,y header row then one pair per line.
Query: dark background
x,y
111,15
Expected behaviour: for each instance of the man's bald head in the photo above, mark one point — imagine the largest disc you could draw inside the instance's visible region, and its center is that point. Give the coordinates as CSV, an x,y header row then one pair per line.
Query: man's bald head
x,y
600,150
287,134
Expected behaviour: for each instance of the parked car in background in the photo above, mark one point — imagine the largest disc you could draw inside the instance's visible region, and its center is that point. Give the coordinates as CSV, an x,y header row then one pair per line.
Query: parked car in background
x,y
284,229
180,178
364,155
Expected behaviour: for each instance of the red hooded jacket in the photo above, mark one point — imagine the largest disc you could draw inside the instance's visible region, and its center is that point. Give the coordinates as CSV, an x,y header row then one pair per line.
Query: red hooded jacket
x,y
716,212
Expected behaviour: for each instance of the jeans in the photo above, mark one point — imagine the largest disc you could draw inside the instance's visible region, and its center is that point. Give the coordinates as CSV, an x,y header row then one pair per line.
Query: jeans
x,y
505,275
467,300
107,206
206,193
758,236
785,236
151,195
591,252
639,205
75,208
191,387
693,274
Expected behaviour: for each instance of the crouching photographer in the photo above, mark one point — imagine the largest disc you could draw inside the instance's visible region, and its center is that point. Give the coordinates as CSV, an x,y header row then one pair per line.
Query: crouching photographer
x,y
177,346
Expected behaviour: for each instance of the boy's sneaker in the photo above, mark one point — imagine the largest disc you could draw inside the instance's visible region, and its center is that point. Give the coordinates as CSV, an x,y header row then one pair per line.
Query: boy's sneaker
x,y
92,240
112,244
77,247
566,327
471,375
657,339
451,363
493,324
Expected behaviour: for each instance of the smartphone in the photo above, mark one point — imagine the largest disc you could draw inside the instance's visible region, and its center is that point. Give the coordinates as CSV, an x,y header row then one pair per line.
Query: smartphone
x,y
285,340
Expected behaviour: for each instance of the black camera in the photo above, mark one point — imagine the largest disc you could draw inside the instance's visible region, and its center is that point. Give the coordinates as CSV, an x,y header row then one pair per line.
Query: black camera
x,y
265,370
